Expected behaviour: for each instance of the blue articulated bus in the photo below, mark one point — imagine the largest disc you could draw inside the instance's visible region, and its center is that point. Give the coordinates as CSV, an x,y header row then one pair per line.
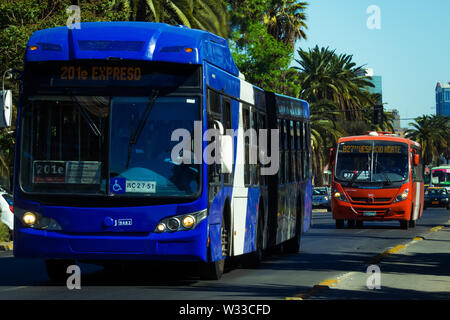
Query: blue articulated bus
x,y
96,171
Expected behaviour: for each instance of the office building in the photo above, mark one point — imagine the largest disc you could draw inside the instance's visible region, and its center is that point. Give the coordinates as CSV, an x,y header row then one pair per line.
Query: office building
x,y
443,99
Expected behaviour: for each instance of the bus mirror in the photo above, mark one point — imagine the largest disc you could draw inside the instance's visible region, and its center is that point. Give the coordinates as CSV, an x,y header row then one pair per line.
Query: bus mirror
x,y
6,108
331,156
227,153
416,159
226,148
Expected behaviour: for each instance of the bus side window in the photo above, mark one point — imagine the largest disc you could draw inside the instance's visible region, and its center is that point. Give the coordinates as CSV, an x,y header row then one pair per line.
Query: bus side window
x,y
286,151
262,125
246,124
254,166
308,143
281,146
214,177
292,148
298,150
304,152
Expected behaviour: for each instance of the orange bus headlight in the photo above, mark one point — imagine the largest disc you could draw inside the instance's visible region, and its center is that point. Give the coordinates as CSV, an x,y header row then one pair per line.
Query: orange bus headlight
x,y
402,196
340,196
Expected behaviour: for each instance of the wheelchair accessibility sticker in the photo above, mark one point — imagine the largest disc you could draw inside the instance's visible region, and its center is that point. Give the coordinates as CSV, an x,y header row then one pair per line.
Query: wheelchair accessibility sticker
x,y
117,185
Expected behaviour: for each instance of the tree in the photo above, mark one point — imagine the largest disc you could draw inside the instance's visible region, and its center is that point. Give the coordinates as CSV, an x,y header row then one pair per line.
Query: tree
x,y
262,41
285,21
325,75
210,15
432,133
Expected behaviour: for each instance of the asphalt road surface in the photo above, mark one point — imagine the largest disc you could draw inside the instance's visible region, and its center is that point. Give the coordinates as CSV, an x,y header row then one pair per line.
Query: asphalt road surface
x,y
333,264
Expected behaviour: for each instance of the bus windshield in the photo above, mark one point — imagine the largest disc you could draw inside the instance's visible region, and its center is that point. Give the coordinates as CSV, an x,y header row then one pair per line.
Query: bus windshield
x,y
106,145
372,161
440,177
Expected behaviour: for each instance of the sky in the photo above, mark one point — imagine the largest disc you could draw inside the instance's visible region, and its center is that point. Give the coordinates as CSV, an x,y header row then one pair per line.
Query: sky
x,y
410,50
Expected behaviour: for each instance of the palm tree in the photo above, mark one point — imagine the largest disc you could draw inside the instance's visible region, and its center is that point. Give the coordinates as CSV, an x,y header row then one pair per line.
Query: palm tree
x,y
207,15
431,133
285,20
326,75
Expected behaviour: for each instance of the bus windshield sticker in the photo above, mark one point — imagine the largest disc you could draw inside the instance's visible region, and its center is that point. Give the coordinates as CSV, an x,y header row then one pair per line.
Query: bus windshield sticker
x,y
83,172
49,171
71,172
140,186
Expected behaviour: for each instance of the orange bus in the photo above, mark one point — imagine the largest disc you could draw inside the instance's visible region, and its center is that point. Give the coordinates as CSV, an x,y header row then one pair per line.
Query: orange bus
x,y
377,177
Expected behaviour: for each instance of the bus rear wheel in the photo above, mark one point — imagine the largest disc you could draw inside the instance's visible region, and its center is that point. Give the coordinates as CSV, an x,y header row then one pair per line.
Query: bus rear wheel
x,y
252,260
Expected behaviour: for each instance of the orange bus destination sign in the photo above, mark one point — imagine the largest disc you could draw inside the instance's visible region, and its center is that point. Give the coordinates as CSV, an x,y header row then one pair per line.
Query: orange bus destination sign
x,y
100,73
368,149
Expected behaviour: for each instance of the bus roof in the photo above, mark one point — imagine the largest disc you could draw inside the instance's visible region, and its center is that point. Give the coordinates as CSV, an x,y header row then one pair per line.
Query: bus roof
x,y
380,136
441,167
130,41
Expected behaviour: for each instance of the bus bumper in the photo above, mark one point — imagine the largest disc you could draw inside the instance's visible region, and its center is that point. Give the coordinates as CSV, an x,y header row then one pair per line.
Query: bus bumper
x,y
347,211
177,246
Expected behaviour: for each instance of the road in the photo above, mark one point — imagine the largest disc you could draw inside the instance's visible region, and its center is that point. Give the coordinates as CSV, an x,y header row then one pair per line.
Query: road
x,y
414,264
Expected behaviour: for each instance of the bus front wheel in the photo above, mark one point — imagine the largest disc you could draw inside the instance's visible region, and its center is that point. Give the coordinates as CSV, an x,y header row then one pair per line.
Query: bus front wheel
x,y
404,224
213,270
339,223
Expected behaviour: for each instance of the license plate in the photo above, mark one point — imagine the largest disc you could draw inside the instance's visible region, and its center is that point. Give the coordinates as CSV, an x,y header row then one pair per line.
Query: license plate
x,y
369,214
435,202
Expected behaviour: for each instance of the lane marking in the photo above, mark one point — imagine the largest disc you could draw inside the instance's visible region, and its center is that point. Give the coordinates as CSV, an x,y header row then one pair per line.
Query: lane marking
x,y
322,286
328,283
436,229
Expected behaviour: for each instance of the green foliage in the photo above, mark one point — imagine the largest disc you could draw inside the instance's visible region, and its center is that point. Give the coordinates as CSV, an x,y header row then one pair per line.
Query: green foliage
x,y
20,18
210,15
433,133
262,41
4,233
263,60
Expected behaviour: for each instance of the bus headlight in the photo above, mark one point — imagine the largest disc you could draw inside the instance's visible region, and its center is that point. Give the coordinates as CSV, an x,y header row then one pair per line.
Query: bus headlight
x,y
29,219
402,196
182,222
340,196
36,221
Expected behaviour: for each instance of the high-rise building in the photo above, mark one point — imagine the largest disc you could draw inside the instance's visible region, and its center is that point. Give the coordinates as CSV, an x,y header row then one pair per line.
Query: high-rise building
x,y
378,84
443,99
396,122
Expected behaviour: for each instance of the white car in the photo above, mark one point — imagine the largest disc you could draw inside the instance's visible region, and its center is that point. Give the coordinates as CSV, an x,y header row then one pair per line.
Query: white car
x,y
6,213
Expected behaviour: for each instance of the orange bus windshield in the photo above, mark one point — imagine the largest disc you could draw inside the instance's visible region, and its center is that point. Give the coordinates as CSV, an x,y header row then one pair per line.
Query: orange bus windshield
x,y
372,161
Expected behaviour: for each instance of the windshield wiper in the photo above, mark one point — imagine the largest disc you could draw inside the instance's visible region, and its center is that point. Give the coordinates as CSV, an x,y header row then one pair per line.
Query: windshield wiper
x,y
355,176
387,181
86,117
141,124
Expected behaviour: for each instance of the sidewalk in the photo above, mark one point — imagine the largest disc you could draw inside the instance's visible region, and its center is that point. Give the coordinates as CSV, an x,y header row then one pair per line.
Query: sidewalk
x,y
417,270
6,246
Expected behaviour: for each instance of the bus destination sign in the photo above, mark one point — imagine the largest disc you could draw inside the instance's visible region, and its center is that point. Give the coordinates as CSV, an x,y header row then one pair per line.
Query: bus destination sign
x,y
368,149
100,73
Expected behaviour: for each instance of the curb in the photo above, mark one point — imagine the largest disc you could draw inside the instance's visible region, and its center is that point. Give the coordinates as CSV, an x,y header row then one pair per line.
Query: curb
x,y
6,246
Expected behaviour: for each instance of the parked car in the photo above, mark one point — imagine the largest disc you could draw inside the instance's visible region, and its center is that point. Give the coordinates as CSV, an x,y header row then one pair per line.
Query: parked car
x,y
321,198
6,213
437,197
